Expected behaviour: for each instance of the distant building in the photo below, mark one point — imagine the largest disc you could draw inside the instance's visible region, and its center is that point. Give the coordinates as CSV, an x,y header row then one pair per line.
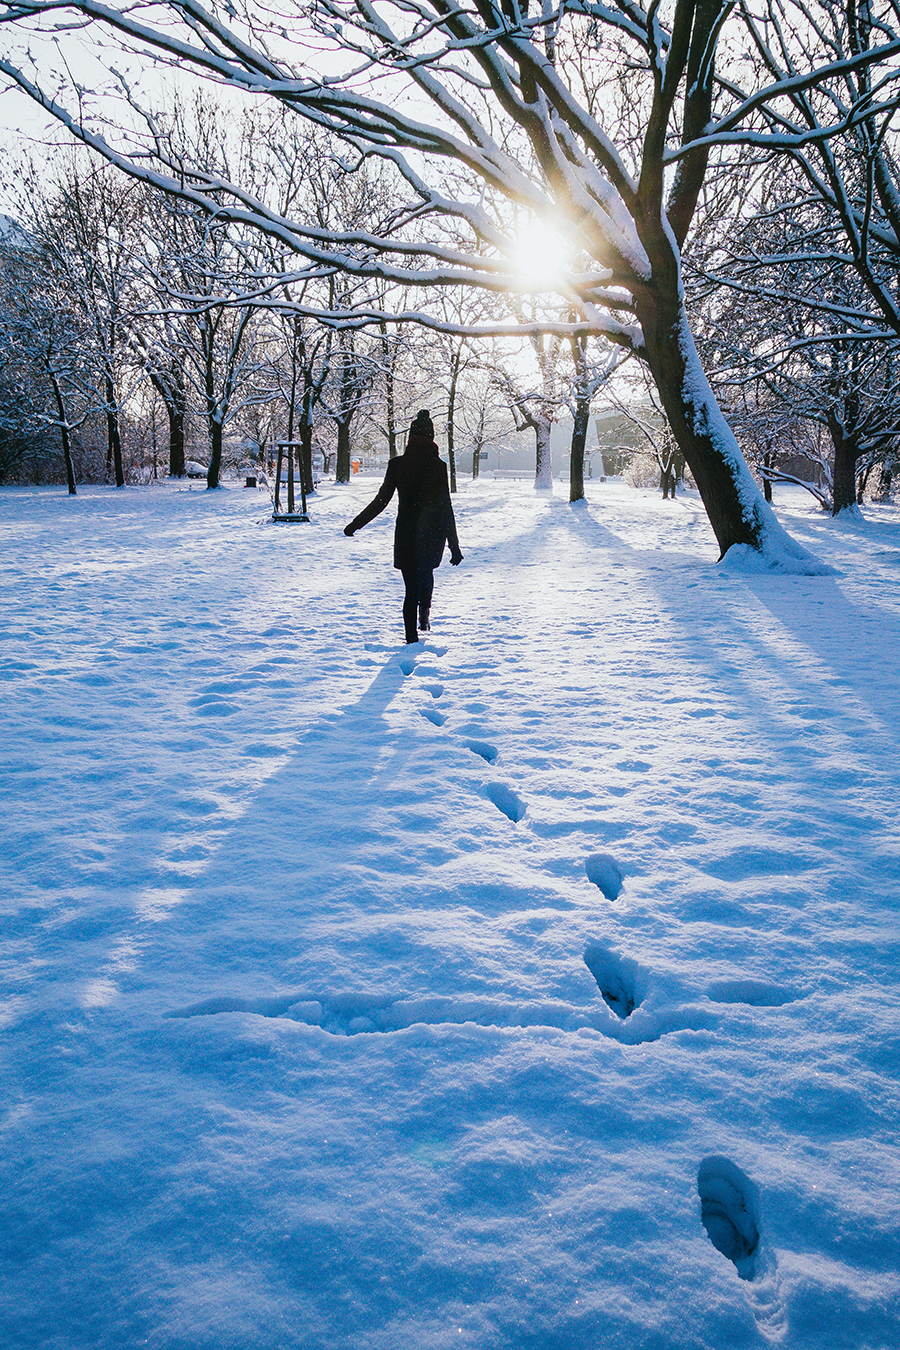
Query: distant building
x,y
612,440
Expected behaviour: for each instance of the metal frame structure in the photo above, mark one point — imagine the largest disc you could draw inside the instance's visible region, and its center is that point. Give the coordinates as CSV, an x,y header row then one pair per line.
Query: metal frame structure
x,y
290,516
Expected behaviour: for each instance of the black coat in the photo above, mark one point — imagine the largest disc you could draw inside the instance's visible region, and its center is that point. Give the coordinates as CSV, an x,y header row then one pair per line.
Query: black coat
x,y
425,522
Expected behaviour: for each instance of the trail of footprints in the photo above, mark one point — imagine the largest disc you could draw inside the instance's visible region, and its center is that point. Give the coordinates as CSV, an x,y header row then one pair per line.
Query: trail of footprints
x,y
729,1200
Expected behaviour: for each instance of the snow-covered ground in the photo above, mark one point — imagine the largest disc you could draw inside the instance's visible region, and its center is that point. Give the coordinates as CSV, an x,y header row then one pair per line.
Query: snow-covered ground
x,y
365,997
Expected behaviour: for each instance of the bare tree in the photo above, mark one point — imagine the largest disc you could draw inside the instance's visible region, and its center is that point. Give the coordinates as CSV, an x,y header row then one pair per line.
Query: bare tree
x,y
537,405
45,340
790,330
84,222
199,265
588,376
854,176
517,123
352,373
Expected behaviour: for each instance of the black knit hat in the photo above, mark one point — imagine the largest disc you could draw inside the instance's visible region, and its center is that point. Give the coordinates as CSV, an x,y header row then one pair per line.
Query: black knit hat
x,y
422,424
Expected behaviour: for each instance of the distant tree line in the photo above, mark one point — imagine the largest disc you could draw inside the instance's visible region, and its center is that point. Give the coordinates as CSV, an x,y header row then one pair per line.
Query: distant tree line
x,y
255,276
140,336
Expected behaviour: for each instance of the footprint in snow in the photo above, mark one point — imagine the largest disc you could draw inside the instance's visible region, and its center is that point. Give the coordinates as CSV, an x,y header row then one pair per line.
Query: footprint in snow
x,y
506,801
432,715
729,1209
603,870
619,979
487,751
756,993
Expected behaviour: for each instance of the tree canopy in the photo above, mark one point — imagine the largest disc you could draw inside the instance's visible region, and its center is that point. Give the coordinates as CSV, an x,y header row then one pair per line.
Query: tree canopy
x,y
598,120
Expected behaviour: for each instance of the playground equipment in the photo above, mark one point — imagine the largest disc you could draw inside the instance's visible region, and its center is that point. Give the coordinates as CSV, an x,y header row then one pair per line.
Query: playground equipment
x,y
288,517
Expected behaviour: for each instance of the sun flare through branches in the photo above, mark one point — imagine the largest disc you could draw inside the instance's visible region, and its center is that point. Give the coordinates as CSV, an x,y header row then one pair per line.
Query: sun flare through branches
x,y
540,256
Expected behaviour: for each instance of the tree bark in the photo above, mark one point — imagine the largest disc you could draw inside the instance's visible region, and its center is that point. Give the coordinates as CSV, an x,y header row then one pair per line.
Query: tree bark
x,y
885,479
845,457
479,442
768,462
170,387
342,466
389,350
736,508
113,438
65,435
576,454
215,458
580,424
176,442
451,416
543,466
306,451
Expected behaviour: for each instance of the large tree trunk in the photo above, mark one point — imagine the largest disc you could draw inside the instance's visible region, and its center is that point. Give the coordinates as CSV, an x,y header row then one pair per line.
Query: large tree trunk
x,y
576,454
580,424
543,466
306,451
736,508
342,467
170,388
215,458
176,441
846,454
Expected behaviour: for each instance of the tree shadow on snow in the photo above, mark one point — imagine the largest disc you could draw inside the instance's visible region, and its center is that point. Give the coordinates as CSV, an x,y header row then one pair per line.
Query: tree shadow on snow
x,y
845,639
343,823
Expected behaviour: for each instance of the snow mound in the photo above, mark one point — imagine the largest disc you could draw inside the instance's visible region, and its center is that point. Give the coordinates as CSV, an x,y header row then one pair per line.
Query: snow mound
x,y
786,561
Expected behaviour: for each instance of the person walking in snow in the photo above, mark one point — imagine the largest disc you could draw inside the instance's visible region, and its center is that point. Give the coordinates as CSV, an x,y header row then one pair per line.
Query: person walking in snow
x,y
425,521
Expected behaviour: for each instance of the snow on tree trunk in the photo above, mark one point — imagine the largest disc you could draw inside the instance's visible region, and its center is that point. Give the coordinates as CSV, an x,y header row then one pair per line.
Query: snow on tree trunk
x,y
543,470
844,478
739,515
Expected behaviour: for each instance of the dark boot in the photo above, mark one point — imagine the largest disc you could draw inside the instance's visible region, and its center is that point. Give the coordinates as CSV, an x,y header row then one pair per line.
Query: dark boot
x,y
424,625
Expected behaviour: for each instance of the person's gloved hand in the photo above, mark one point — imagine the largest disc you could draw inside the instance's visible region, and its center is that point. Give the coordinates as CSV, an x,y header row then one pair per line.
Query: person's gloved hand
x,y
349,531
456,558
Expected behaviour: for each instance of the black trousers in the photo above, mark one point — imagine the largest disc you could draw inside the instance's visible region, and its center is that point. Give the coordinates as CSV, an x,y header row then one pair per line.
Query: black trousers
x,y
419,583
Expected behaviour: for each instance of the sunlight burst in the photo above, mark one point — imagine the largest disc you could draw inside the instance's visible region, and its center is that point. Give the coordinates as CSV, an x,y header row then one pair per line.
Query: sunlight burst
x,y
540,255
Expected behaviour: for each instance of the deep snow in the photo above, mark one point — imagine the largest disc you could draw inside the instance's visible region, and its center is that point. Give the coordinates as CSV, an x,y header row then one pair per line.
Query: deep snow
x,y
367,997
